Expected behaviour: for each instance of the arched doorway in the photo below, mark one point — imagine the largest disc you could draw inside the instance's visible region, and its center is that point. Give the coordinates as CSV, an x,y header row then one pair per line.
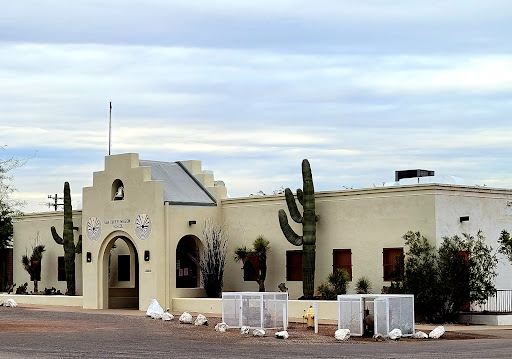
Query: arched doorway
x,y
187,262
121,274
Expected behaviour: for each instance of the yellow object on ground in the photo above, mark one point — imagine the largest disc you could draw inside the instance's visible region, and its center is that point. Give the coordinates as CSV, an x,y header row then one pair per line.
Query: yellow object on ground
x,y
310,317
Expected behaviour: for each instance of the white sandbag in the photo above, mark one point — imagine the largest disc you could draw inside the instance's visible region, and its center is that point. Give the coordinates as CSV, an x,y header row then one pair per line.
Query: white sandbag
x,y
342,334
437,332
154,307
221,327
186,318
201,320
282,335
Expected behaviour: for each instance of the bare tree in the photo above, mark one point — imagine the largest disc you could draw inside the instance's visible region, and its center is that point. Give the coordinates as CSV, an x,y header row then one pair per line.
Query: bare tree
x,y
213,258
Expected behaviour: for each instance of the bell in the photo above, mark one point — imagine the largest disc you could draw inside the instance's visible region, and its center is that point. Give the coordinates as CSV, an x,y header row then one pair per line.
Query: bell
x,y
119,193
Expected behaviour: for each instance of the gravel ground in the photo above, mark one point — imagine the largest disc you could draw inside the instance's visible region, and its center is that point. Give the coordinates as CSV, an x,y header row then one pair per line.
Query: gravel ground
x,y
32,332
35,320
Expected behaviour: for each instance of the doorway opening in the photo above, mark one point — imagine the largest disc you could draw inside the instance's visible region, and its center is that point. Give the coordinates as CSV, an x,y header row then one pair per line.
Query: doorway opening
x,y
122,274
187,262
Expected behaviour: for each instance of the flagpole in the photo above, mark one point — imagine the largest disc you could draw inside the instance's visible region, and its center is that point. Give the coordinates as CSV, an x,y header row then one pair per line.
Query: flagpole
x,y
110,129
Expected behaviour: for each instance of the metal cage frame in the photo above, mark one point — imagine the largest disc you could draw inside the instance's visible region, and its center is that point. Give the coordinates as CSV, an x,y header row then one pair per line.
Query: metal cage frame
x,y
265,310
388,311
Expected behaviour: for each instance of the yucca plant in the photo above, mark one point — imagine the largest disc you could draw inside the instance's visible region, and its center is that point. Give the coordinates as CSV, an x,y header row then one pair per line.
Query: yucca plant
x,y
33,265
260,249
363,285
336,284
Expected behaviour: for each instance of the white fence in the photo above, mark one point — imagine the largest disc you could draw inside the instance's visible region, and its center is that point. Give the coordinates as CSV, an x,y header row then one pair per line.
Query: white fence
x,y
385,311
499,302
255,309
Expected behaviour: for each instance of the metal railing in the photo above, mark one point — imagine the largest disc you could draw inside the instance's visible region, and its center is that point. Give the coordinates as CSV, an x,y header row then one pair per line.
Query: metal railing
x,y
501,302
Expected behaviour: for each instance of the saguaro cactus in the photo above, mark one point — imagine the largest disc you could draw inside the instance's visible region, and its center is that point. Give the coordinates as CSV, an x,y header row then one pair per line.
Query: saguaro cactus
x,y
308,219
68,242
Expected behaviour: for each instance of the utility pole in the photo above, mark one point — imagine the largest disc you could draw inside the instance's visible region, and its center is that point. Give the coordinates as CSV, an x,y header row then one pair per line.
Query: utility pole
x,y
110,129
55,203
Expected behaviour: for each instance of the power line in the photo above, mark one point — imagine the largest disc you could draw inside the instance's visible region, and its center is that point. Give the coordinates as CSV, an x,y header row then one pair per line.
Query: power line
x,y
55,203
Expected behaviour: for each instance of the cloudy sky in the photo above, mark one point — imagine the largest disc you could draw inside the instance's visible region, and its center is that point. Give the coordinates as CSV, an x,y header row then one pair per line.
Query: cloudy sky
x,y
360,88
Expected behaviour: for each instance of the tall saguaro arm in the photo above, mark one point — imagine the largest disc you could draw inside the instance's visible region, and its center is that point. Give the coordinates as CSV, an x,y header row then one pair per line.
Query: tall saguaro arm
x,y
67,241
288,232
308,219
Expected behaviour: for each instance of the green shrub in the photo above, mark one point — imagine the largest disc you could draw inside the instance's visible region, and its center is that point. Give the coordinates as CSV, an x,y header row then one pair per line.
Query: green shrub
x,y
336,284
447,280
363,285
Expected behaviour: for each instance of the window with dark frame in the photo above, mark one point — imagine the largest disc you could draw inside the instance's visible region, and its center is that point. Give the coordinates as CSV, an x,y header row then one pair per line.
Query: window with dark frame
x,y
342,259
464,256
294,265
123,268
251,269
389,261
61,269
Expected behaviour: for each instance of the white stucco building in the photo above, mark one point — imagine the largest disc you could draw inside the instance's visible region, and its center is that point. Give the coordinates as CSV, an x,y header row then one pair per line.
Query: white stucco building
x,y
144,241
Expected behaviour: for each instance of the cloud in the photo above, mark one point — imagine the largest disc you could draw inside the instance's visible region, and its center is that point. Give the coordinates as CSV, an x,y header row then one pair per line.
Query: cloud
x,y
252,88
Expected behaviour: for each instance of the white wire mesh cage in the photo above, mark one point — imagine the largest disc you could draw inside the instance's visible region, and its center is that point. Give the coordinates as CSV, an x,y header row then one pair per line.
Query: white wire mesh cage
x,y
267,310
350,314
387,312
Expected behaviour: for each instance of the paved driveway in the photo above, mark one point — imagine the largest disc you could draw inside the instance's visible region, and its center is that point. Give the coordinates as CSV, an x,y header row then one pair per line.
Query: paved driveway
x,y
30,333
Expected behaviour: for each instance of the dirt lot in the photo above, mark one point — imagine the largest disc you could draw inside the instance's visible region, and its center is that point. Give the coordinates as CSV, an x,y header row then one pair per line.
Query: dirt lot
x,y
299,333
31,332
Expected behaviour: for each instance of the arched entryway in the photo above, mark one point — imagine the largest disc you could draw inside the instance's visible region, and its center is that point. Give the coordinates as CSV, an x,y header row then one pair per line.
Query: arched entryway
x,y
187,262
121,274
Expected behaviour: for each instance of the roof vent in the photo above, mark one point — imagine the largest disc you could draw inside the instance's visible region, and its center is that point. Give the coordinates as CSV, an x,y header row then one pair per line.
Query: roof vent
x,y
412,174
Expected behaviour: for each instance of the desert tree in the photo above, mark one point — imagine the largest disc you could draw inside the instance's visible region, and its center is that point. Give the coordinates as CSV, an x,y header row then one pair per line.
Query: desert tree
x,y
255,260
213,258
32,264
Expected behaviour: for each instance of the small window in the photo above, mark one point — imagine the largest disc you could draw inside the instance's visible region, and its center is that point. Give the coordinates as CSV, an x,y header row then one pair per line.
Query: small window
x,y
342,259
251,269
294,265
390,258
61,269
123,268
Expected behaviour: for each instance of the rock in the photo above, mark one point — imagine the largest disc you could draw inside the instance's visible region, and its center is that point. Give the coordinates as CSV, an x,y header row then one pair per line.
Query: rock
x,y
201,320
258,333
437,332
419,335
342,334
156,315
154,307
245,329
2,303
167,316
282,335
379,337
11,303
221,327
186,318
395,334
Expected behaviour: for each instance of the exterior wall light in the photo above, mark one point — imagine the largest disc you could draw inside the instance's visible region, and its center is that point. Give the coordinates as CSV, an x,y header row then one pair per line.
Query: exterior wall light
x,y
464,219
89,257
146,256
191,223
